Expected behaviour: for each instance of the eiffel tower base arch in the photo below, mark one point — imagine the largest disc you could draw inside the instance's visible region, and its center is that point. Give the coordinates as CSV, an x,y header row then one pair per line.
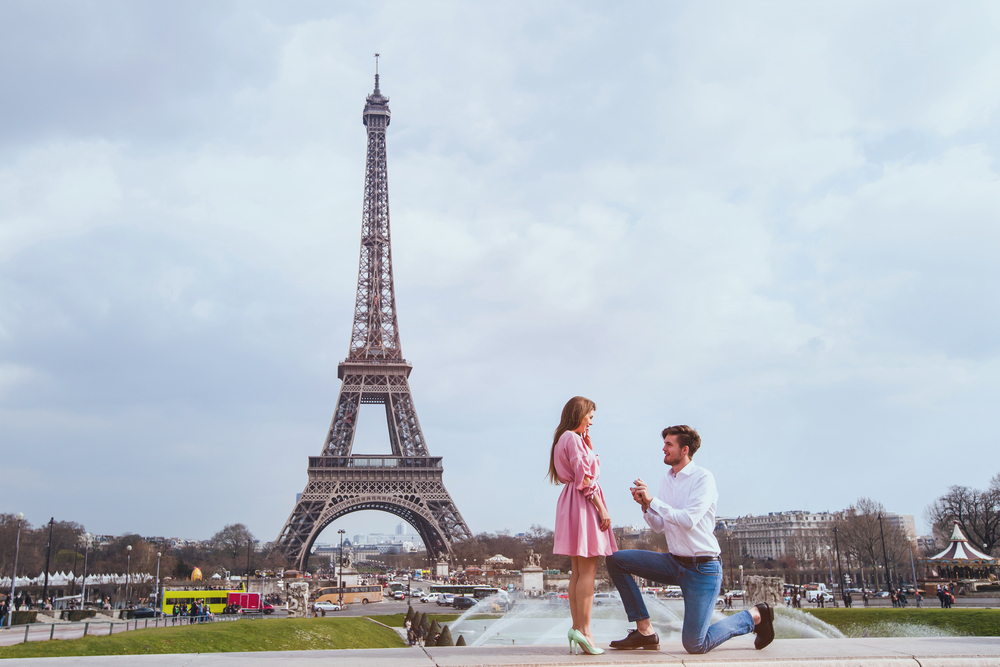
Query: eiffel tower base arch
x,y
414,493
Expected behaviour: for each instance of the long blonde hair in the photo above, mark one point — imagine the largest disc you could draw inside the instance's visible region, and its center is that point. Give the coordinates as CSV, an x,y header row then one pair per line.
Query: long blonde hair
x,y
572,415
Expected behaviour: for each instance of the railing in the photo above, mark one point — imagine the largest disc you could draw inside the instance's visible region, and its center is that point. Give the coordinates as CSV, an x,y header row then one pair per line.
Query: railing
x,y
374,462
92,628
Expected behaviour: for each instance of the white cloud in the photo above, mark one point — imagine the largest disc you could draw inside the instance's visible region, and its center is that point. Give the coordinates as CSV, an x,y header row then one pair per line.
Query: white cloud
x,y
770,222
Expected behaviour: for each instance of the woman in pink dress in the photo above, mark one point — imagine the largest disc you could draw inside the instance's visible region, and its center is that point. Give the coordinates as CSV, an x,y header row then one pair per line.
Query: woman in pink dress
x,y
583,526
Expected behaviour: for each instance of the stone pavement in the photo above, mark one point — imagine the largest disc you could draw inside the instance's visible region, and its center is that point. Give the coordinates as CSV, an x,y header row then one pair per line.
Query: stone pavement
x,y
874,652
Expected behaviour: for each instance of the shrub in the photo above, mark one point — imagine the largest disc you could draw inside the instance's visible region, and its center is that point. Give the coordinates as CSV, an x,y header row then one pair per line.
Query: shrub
x,y
445,638
74,615
23,617
433,633
461,641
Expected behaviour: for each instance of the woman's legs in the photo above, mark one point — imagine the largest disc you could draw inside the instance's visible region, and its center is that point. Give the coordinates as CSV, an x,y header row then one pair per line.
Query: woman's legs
x,y
574,575
581,593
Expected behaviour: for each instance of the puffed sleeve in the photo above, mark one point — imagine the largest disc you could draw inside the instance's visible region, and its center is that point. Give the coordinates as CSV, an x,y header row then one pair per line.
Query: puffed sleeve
x,y
582,461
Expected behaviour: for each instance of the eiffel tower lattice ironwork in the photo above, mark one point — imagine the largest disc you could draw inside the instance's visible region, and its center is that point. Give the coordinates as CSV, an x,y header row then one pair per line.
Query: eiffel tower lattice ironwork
x,y
408,482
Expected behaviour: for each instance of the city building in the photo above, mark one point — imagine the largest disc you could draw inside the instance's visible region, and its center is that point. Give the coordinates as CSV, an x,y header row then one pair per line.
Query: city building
x,y
773,536
904,522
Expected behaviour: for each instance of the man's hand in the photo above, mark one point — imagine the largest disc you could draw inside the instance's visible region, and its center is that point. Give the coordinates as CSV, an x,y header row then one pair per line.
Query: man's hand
x,y
641,495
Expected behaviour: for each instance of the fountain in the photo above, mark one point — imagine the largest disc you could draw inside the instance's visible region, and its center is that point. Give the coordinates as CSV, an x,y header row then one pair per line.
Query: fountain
x,y
545,621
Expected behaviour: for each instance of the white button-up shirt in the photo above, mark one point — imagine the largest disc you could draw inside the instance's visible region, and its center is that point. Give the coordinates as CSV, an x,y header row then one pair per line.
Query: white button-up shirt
x,y
684,511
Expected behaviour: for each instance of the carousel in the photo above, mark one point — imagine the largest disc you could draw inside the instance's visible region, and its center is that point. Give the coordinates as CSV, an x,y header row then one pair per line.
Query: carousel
x,y
962,564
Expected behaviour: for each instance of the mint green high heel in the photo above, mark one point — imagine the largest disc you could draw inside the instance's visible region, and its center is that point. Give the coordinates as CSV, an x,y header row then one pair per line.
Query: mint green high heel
x,y
572,640
581,641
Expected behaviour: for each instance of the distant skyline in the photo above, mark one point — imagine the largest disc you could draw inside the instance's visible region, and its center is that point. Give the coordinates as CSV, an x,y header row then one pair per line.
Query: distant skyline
x,y
775,223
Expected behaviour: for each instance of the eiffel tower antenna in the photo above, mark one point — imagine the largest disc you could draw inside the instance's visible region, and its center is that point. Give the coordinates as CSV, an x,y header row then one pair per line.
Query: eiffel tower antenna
x,y
408,482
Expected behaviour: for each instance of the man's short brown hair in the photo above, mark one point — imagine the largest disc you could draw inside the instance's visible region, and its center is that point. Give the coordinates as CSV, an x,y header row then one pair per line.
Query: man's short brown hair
x,y
686,437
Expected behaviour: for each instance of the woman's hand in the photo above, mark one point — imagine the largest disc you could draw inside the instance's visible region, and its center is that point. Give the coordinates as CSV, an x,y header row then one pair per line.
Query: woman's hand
x,y
586,439
603,518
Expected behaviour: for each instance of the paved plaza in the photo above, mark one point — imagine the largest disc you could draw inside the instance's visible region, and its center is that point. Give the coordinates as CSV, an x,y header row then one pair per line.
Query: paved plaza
x,y
875,652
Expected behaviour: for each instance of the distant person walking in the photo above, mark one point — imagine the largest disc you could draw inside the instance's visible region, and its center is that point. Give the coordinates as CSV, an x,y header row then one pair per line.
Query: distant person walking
x,y
583,525
418,634
684,511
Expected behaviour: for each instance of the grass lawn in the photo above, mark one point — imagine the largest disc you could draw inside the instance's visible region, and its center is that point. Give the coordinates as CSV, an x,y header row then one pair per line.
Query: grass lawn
x,y
291,634
911,622
397,620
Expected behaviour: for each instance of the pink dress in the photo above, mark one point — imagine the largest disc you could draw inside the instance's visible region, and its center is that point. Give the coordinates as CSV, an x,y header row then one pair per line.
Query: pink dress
x,y
578,530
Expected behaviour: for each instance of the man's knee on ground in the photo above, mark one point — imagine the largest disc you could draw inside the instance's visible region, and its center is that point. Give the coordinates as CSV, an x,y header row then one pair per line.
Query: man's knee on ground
x,y
695,645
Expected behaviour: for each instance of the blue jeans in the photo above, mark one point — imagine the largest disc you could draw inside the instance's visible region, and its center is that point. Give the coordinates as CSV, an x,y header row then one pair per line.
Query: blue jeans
x,y
700,584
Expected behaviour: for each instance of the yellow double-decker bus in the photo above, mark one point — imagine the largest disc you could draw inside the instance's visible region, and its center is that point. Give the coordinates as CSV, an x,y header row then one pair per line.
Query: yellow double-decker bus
x,y
352,594
216,600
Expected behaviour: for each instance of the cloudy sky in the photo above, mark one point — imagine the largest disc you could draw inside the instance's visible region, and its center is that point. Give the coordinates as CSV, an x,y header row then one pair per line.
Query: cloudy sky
x,y
777,222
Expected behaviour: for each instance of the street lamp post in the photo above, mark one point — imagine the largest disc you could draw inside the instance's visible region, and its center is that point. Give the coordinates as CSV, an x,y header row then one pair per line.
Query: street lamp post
x,y
128,573
158,554
72,582
729,543
13,574
829,563
840,571
744,590
48,558
83,583
340,569
885,557
913,570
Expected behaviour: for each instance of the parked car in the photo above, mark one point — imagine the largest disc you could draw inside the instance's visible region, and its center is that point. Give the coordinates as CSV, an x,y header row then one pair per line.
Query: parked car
x,y
445,599
606,598
430,597
327,606
143,612
463,602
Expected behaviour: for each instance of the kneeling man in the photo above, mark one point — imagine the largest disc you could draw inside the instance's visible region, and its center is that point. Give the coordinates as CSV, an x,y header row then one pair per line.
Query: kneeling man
x,y
684,511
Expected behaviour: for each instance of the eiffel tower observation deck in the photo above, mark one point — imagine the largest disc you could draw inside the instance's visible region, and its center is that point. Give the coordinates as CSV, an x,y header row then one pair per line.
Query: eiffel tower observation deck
x,y
408,482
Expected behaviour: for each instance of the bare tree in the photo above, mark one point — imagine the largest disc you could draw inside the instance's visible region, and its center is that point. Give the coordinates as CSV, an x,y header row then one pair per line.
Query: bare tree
x,y
861,536
977,513
8,537
230,546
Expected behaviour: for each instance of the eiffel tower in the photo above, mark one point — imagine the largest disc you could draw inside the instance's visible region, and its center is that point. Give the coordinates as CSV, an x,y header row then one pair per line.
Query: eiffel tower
x,y
408,482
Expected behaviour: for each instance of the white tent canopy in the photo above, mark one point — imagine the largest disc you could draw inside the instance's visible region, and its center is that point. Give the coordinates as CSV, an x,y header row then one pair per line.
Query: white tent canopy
x,y
960,551
499,560
66,578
